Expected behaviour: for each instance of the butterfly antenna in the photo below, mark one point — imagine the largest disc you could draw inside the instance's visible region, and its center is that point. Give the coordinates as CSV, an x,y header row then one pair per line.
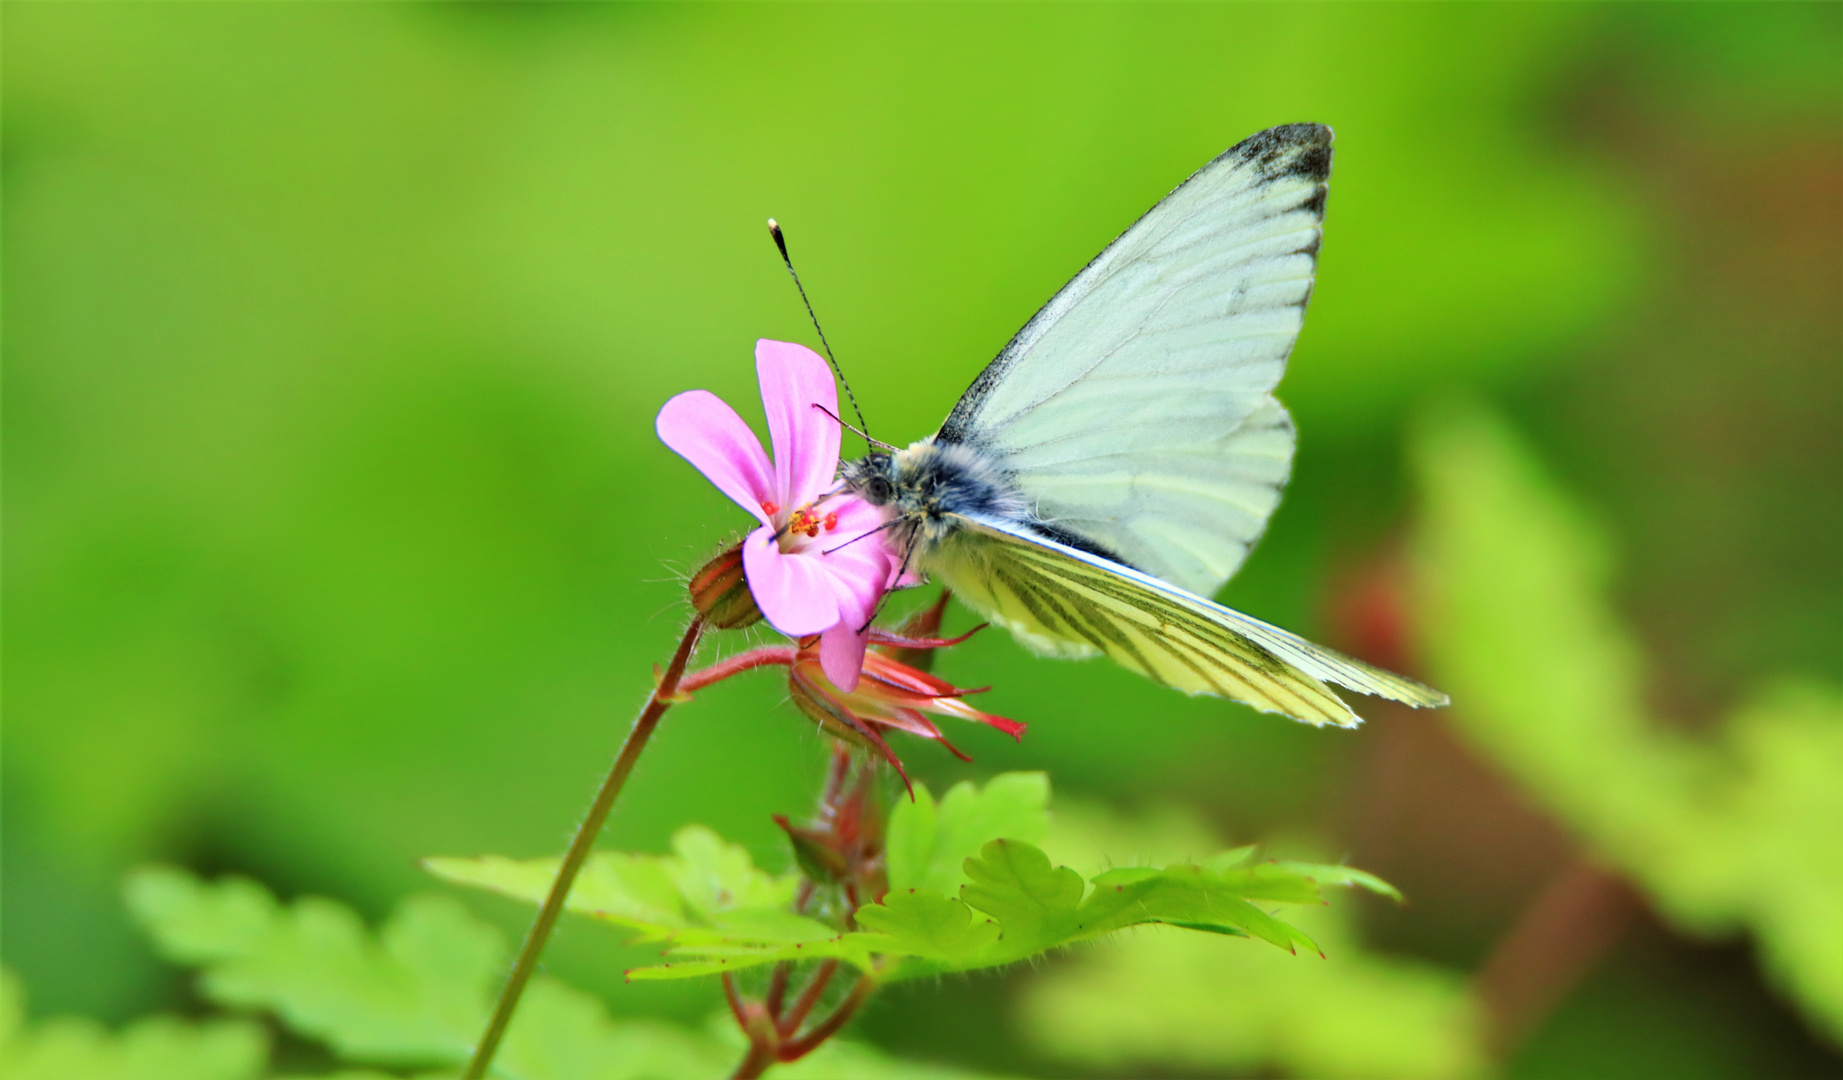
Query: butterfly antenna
x,y
780,241
862,434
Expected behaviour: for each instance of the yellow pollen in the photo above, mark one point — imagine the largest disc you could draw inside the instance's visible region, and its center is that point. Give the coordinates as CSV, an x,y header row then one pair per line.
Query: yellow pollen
x,y
805,520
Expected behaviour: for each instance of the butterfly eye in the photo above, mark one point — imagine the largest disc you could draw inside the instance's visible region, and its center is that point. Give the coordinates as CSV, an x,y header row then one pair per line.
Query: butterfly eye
x,y
879,490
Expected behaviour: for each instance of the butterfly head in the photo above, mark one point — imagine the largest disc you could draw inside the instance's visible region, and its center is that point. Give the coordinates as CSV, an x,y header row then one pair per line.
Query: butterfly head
x,y
932,485
872,477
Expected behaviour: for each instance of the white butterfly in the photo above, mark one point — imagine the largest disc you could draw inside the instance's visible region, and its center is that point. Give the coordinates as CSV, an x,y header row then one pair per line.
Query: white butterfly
x,y
1113,466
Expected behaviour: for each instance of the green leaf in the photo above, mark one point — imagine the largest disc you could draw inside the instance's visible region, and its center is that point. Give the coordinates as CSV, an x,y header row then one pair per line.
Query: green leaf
x,y
706,892
927,844
1190,1004
416,994
718,913
1199,899
1324,874
1725,834
1163,1002
159,1048
1034,902
1016,904
930,925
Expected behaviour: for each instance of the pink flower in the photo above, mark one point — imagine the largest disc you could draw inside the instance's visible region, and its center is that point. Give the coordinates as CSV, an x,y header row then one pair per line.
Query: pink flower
x,y
812,566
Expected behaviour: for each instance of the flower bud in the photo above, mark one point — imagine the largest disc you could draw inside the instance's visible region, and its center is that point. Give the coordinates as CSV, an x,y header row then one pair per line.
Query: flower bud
x,y
720,593
819,853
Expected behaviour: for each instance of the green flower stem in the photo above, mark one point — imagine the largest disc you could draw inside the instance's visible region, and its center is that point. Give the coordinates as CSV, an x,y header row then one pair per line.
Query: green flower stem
x,y
664,696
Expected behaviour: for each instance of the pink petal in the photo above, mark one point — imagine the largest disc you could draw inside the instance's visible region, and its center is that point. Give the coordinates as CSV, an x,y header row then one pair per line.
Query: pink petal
x,y
794,378
795,592
858,586
841,653
859,556
708,433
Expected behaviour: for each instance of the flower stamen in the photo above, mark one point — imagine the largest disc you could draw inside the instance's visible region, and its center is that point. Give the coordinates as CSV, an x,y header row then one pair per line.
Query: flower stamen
x,y
807,520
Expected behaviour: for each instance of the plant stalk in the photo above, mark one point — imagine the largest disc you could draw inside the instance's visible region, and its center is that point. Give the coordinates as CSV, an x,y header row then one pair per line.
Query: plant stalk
x,y
663,697
825,1029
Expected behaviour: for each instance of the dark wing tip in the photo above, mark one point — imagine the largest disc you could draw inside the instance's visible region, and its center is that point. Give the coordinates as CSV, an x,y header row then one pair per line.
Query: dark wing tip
x,y
1302,150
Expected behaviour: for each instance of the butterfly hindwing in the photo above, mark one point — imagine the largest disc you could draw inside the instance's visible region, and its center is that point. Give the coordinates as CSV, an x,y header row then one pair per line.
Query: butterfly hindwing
x,y
1059,599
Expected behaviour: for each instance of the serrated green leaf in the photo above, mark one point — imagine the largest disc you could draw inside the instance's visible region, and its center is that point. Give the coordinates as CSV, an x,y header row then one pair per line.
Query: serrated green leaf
x,y
416,994
1188,1004
1336,874
157,1048
200,923
707,892
1230,859
1159,1001
720,914
1034,902
928,844
715,877
924,923
1195,898
714,958
1017,904
908,847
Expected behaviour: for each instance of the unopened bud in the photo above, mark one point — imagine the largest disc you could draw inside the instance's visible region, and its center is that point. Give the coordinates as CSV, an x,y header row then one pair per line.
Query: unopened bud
x,y
819,857
832,717
721,594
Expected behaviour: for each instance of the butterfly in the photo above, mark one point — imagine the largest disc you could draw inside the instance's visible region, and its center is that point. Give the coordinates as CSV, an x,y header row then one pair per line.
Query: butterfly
x,y
1113,466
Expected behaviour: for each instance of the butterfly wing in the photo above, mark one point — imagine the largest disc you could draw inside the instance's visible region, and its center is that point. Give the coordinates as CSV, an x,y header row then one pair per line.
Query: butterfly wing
x,y
1135,409
1060,599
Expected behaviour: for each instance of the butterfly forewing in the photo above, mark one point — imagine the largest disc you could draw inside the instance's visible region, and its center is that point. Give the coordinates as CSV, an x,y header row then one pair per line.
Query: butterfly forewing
x,y
1135,408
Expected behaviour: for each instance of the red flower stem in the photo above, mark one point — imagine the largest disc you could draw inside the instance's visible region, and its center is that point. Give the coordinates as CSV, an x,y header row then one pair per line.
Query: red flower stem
x,y
777,991
808,998
760,1057
735,1003
662,699
806,1044
763,1040
835,778
765,656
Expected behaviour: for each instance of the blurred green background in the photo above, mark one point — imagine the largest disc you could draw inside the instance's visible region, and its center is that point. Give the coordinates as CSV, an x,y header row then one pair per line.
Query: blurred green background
x,y
337,533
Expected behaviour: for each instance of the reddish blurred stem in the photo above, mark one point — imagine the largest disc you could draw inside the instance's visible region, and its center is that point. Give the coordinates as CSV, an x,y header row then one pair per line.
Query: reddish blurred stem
x,y
754,1022
662,699
806,1044
809,997
771,1031
766,1047
760,1057
1556,941
777,991
835,776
